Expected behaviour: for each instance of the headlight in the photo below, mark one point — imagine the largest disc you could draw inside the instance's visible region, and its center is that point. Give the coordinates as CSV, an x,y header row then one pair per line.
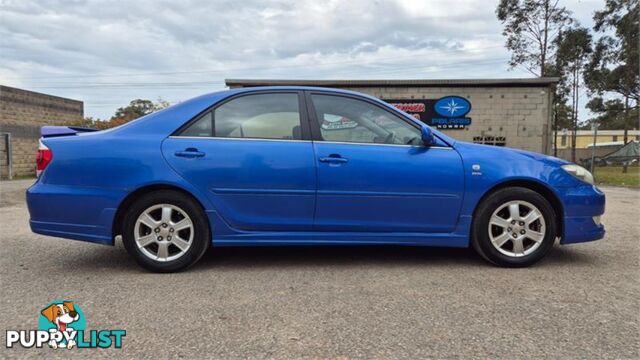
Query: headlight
x,y
579,172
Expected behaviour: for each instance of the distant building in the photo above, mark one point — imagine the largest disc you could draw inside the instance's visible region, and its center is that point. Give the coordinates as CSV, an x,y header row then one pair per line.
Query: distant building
x,y
584,138
22,113
503,112
607,142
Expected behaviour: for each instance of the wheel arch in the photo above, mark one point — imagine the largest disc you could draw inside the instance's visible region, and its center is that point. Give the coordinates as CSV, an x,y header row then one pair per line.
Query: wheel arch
x,y
118,219
536,186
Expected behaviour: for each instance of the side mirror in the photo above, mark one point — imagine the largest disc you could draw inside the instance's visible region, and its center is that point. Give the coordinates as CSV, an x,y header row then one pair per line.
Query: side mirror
x,y
427,136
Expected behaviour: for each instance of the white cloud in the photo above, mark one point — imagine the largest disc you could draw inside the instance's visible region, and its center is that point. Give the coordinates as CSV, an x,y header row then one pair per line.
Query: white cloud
x,y
109,52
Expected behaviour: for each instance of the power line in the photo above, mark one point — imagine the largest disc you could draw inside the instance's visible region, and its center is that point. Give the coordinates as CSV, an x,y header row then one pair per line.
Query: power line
x,y
195,84
344,62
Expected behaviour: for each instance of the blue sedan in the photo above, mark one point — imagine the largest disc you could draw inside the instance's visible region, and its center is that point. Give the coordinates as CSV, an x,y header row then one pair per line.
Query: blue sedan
x,y
302,166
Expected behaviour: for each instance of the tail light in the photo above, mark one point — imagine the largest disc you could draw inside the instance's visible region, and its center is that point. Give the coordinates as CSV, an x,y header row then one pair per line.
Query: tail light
x,y
43,158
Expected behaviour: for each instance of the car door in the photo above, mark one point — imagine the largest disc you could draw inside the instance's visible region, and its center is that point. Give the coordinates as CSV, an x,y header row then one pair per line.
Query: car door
x,y
375,175
253,158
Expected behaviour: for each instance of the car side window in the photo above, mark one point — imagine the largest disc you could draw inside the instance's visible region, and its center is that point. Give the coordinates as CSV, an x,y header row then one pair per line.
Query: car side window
x,y
346,119
260,116
203,127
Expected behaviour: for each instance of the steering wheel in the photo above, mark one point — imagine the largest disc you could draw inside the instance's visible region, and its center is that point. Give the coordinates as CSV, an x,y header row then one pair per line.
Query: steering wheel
x,y
410,141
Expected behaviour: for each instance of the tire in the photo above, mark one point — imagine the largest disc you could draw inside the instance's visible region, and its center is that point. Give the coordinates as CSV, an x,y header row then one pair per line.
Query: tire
x,y
162,240
527,240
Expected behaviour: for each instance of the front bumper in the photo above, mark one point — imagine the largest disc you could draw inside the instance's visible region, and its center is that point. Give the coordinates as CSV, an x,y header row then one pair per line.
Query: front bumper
x,y
581,205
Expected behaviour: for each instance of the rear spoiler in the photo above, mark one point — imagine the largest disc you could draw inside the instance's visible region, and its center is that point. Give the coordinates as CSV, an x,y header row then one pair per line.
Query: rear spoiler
x,y
53,131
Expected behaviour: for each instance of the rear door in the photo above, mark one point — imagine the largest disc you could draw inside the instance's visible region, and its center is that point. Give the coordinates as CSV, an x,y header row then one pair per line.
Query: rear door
x,y
253,158
374,173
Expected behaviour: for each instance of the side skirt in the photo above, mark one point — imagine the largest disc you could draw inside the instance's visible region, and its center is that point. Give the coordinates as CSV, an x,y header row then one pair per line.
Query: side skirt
x,y
223,235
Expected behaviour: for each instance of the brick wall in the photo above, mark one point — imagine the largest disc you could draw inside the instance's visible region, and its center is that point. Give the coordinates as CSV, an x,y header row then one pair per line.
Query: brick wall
x,y
521,115
22,113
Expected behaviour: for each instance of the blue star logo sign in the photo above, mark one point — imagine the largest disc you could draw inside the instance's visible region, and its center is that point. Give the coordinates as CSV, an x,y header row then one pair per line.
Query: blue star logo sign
x,y
452,106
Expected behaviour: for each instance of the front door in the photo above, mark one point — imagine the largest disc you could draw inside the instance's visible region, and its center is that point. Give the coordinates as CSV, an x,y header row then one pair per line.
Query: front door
x,y
374,174
250,157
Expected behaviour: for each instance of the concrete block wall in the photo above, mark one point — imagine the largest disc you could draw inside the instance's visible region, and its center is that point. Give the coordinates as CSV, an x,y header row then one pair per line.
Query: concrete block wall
x,y
521,115
24,156
4,170
22,113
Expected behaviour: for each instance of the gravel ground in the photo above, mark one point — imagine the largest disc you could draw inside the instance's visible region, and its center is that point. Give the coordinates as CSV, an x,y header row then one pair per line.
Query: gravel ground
x,y
582,301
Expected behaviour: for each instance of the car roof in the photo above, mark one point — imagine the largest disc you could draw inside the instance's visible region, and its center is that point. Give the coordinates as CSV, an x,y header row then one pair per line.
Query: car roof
x,y
234,91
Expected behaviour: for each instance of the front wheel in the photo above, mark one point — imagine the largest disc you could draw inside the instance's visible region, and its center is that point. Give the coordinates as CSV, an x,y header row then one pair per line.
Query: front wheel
x,y
165,231
514,227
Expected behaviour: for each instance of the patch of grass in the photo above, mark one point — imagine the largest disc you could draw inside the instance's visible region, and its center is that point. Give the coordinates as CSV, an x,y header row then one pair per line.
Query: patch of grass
x,y
612,175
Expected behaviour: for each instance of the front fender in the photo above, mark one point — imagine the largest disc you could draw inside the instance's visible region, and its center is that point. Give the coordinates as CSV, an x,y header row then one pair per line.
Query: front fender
x,y
489,167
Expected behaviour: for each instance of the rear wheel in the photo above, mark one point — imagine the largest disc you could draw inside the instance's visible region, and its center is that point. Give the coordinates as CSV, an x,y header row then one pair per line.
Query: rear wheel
x,y
166,231
514,227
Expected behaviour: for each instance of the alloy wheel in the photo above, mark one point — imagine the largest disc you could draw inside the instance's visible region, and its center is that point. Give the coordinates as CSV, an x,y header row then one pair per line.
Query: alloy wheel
x,y
163,232
517,228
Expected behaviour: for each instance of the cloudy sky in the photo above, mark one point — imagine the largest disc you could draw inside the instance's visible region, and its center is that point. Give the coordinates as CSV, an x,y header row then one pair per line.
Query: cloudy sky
x,y
107,53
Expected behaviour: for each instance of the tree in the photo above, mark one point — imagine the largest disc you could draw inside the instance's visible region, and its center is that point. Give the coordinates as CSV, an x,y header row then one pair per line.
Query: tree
x,y
614,67
573,51
561,111
610,113
531,28
564,115
135,109
161,104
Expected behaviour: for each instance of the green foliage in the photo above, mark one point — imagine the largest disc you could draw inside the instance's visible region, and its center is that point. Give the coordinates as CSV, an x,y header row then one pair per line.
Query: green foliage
x,y
615,65
563,116
573,50
610,113
531,28
136,108
614,70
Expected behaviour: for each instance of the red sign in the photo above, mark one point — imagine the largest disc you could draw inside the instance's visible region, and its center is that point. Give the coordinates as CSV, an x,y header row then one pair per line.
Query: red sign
x,y
410,107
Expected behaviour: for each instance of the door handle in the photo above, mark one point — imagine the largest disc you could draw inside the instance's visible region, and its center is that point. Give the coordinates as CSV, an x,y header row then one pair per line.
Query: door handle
x,y
190,153
333,159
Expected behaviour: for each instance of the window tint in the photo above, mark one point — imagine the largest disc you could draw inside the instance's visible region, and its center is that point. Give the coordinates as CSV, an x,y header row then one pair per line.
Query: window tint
x,y
350,120
263,116
202,127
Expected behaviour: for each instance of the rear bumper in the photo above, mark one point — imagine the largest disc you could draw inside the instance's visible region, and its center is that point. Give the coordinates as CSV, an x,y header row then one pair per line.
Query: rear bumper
x,y
72,212
581,205
71,231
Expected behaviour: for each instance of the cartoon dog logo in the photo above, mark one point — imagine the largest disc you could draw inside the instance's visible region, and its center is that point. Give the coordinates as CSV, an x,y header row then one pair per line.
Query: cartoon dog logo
x,y
61,315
